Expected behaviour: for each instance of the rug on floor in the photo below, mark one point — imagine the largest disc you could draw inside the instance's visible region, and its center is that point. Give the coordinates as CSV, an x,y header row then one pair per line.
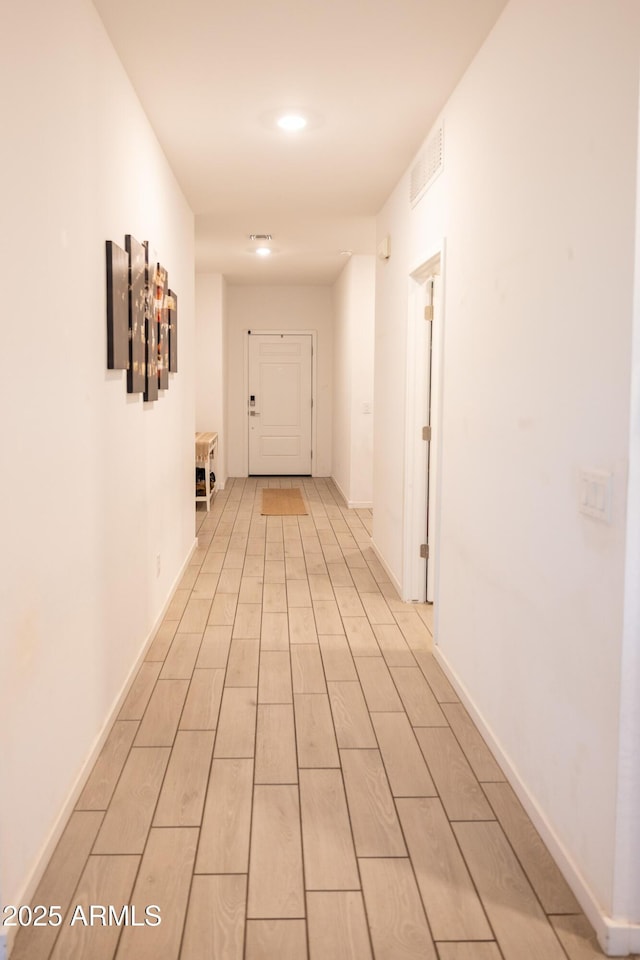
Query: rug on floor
x,y
282,503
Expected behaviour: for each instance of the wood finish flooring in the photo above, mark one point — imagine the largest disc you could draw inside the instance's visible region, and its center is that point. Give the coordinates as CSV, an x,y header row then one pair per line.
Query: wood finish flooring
x,y
292,777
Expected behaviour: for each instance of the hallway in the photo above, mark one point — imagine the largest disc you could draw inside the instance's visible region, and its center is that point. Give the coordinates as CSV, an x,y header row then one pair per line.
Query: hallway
x,y
292,776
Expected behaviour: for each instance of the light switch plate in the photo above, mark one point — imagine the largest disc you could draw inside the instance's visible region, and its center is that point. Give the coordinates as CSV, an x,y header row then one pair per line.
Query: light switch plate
x,y
596,493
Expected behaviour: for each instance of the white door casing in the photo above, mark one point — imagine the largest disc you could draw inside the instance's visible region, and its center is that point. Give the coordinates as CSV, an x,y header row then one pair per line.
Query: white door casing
x,y
433,376
279,404
423,408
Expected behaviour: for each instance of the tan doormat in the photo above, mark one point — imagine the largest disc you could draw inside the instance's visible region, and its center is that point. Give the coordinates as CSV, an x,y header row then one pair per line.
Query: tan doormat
x,y
282,503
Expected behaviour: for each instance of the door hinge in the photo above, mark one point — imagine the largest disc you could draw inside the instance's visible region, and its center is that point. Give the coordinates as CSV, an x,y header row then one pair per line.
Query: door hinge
x,y
426,433
424,551
428,312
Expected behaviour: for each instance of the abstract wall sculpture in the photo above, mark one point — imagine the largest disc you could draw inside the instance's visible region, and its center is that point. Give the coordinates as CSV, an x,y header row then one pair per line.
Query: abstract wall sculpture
x,y
117,307
136,374
172,314
151,322
142,321
160,307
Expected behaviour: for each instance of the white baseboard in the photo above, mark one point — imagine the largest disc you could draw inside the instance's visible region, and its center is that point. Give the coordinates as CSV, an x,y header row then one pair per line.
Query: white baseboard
x,y
617,938
351,504
386,569
46,851
340,491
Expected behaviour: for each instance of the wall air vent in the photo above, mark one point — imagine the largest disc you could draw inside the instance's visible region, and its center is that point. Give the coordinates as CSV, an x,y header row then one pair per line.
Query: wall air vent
x,y
427,167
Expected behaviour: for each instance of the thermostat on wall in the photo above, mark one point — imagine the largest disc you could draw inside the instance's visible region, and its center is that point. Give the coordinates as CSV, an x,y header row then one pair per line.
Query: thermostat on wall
x,y
384,248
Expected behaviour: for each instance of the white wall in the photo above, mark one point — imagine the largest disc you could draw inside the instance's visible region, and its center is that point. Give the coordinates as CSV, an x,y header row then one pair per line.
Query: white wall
x,y
210,367
277,308
537,206
390,360
353,346
95,483
341,426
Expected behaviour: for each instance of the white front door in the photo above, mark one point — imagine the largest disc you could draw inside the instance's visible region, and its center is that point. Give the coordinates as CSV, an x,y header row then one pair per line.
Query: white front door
x,y
279,404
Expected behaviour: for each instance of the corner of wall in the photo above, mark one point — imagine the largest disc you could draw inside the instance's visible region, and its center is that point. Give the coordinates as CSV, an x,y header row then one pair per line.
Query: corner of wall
x,y
626,897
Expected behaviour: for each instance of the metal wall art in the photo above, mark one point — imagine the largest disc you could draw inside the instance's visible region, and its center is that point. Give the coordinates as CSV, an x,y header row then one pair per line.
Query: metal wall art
x,y
117,307
136,374
172,313
142,320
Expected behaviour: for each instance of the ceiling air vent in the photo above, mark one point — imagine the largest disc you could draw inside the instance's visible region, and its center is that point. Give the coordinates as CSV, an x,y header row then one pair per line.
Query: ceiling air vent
x,y
427,167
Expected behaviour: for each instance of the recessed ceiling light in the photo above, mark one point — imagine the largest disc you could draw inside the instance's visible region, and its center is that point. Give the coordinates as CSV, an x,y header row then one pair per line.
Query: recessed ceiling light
x,y
292,122
291,118
263,251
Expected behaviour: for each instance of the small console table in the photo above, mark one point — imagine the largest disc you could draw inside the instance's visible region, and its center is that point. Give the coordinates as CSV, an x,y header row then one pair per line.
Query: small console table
x,y
206,445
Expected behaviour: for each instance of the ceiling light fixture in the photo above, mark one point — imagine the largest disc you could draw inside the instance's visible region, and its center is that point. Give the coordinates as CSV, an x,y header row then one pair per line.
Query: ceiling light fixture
x,y
292,122
260,236
263,251
292,118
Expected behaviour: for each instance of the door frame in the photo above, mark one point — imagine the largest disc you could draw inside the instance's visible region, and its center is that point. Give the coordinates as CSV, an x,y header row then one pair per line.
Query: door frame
x,y
314,380
414,580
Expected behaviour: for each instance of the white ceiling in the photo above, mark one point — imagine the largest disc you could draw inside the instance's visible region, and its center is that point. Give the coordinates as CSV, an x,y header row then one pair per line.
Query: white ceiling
x,y
211,75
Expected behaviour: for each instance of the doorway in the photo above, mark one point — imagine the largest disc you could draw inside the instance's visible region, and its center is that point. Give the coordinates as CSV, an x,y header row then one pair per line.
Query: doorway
x,y
423,440
280,404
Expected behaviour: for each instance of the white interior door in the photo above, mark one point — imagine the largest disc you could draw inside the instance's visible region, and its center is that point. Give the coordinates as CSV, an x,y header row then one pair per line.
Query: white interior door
x,y
279,404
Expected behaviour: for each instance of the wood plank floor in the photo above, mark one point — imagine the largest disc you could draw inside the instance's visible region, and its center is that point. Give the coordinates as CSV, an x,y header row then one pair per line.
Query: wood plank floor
x,y
292,777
